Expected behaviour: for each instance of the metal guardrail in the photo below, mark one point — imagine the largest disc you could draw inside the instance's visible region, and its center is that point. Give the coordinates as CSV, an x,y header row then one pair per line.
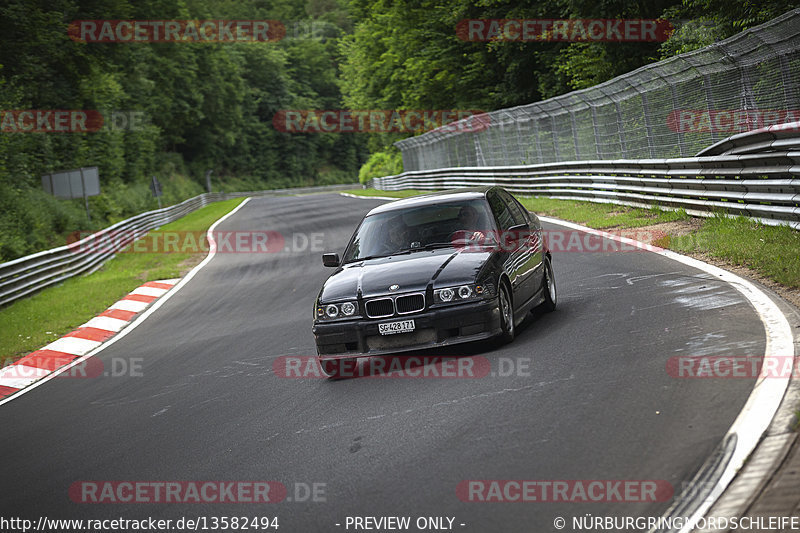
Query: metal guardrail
x,y
781,137
742,175
27,275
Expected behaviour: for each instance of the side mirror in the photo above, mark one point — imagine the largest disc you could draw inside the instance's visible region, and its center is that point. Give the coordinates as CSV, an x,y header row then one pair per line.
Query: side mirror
x,y
514,237
331,260
520,232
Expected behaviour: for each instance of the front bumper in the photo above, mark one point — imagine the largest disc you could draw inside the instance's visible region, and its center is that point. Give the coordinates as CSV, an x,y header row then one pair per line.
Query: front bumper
x,y
434,327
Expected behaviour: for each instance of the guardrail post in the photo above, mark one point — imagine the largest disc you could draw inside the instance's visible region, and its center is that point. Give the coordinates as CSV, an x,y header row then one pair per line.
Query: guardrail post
x,y
538,140
85,198
623,147
648,126
575,135
676,109
554,129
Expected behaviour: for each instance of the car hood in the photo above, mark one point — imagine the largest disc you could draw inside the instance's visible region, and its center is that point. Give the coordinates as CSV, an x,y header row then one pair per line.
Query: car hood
x,y
412,272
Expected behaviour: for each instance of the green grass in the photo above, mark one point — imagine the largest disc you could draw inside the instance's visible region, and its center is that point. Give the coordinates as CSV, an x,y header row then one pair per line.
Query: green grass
x,y
29,324
770,251
600,216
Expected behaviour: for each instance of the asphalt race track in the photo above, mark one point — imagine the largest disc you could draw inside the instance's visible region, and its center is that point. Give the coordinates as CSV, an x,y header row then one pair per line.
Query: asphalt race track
x,y
588,398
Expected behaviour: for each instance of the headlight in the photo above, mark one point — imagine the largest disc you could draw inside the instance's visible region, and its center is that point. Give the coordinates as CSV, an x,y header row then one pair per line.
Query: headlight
x,y
461,293
334,311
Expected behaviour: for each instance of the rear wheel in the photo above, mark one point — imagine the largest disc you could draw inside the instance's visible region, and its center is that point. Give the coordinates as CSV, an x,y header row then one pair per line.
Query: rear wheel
x,y
506,315
549,287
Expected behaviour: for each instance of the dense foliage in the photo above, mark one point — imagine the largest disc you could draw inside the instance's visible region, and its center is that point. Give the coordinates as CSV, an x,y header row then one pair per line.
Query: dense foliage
x,y
405,53
211,106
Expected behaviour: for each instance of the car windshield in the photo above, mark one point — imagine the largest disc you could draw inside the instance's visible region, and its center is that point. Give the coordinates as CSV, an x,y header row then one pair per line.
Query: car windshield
x,y
419,228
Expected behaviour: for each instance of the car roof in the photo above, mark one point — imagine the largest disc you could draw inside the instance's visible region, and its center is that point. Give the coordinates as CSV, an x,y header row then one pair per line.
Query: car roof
x,y
466,193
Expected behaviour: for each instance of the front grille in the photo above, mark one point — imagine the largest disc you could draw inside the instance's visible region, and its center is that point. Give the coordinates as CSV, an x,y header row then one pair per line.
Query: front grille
x,y
410,303
407,303
380,308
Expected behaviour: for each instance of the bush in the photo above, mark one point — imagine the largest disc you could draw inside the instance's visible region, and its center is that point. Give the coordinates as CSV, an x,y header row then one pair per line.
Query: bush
x,y
379,164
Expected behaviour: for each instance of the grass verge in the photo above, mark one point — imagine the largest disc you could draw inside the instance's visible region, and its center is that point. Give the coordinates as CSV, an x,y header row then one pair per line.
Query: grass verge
x,y
601,216
30,323
772,252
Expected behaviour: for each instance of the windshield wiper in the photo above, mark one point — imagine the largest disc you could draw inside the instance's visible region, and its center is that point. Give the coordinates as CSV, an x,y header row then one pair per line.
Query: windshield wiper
x,y
368,257
432,245
365,258
429,246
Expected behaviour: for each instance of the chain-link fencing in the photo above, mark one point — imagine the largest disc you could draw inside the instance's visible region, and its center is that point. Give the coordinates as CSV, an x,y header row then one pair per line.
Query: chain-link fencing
x,y
673,108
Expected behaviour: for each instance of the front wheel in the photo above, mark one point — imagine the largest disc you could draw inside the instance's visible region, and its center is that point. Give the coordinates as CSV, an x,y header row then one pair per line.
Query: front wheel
x,y
506,316
549,287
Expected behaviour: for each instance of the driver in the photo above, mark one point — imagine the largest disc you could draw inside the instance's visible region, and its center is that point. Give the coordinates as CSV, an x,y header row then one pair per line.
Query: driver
x,y
468,219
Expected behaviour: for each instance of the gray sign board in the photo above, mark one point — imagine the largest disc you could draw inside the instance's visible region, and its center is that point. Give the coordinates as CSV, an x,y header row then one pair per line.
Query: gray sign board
x,y
73,183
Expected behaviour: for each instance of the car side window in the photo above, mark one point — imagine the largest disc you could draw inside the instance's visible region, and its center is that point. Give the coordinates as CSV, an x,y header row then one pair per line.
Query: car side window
x,y
501,211
517,211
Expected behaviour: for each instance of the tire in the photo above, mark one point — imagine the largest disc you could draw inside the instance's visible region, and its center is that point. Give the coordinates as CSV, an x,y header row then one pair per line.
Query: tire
x,y
506,315
549,287
337,368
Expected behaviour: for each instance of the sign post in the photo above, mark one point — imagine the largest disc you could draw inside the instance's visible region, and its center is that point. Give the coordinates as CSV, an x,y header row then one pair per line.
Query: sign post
x,y
85,197
155,187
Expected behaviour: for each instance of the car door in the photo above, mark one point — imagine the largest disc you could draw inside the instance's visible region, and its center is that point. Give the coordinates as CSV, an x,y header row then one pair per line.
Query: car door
x,y
513,256
531,241
528,248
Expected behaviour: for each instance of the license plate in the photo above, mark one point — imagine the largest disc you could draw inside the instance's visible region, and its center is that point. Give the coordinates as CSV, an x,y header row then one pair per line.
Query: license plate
x,y
390,328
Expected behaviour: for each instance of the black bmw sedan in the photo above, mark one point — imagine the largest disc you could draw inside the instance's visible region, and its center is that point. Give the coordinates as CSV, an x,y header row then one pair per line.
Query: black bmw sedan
x,y
433,270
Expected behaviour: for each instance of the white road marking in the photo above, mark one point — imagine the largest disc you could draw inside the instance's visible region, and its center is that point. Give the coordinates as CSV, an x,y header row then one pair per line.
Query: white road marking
x,y
130,305
106,322
20,376
348,195
73,345
149,291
